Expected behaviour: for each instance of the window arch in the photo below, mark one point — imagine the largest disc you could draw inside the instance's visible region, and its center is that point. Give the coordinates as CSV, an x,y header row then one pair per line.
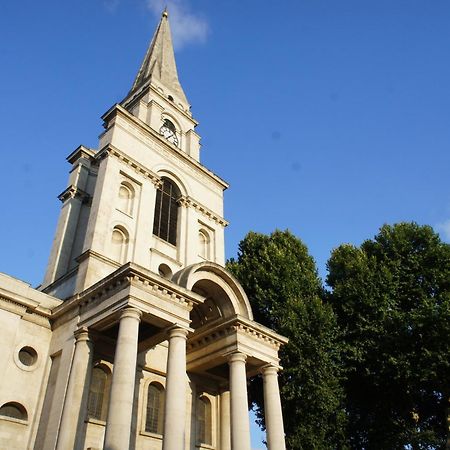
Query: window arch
x,y
154,418
166,211
119,244
126,198
204,421
203,244
99,393
13,410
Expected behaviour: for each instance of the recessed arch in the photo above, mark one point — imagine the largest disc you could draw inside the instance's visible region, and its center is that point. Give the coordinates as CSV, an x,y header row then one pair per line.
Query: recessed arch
x,y
126,196
164,171
224,296
119,244
204,241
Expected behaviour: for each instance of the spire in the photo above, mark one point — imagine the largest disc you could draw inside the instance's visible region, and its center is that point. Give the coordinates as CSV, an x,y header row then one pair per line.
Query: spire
x,y
159,62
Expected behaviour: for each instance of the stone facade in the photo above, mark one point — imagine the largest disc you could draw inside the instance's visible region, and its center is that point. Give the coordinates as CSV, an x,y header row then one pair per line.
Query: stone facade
x,y
138,337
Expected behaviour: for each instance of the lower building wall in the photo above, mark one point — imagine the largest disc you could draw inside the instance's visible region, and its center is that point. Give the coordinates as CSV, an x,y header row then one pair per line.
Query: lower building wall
x,y
24,348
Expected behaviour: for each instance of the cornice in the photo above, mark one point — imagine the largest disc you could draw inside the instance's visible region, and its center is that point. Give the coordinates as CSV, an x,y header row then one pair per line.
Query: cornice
x,y
37,315
136,166
234,325
127,276
80,152
190,202
73,191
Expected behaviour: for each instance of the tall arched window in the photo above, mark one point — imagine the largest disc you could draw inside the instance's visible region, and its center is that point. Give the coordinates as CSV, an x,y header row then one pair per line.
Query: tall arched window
x,y
204,421
126,197
119,244
98,393
155,409
166,211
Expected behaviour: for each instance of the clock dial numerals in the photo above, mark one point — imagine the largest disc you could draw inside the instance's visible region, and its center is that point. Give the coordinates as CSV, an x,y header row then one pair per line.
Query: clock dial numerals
x,y
169,132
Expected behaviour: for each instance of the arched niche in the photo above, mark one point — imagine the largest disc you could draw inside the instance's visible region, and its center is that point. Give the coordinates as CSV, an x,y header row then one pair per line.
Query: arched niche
x,y
224,296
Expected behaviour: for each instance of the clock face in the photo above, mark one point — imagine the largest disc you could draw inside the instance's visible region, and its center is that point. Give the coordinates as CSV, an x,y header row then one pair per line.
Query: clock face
x,y
169,132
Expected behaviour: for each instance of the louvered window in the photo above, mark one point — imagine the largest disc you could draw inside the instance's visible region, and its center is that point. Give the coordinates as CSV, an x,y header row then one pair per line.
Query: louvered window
x,y
97,394
166,212
155,409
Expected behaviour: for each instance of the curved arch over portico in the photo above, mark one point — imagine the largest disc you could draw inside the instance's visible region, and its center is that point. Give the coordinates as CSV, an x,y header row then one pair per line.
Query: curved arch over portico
x,y
225,297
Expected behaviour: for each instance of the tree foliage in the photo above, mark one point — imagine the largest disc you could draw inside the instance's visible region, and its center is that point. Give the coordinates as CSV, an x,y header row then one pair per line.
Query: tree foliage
x,y
281,281
392,300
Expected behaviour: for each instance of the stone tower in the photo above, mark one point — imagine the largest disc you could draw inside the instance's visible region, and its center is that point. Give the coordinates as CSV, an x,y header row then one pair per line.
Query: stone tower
x,y
138,337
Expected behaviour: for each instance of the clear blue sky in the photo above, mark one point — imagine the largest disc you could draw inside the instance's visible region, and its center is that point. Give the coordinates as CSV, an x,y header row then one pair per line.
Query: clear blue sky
x,y
327,117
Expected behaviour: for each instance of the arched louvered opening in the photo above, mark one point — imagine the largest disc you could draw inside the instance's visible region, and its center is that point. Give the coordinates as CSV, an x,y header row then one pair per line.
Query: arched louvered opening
x,y
126,198
155,409
204,421
119,244
13,410
165,223
99,393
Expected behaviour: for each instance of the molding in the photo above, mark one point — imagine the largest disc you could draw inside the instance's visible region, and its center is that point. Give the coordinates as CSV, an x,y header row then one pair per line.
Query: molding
x,y
232,326
74,192
190,202
81,152
129,275
154,250
14,306
137,167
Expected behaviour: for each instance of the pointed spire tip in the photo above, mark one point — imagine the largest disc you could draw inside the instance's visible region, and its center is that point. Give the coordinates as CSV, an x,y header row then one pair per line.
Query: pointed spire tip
x,y
165,12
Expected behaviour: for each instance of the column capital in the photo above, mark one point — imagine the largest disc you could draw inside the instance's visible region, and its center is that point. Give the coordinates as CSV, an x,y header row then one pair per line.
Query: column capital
x,y
237,356
270,369
129,311
178,331
82,334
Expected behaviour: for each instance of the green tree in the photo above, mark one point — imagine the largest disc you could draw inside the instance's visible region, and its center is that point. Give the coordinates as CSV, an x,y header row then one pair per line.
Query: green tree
x,y
392,299
281,281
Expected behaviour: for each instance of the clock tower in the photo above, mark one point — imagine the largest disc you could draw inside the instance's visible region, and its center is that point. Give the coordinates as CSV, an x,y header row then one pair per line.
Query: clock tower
x,y
143,196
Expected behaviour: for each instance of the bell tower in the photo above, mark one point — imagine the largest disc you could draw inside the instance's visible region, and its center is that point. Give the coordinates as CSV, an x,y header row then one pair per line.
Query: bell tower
x,y
143,196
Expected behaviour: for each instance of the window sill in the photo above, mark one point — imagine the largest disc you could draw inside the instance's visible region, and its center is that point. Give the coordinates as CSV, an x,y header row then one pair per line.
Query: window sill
x,y
205,446
151,435
96,421
13,419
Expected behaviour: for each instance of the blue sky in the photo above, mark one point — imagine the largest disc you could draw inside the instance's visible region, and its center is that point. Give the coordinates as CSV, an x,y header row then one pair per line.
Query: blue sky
x,y
327,117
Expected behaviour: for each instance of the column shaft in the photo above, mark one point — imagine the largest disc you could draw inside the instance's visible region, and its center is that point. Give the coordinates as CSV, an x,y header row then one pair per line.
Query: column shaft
x,y
120,409
225,431
240,425
175,408
75,401
272,410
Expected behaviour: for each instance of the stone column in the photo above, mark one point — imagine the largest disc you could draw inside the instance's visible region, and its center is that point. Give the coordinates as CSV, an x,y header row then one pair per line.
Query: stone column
x,y
175,408
120,409
225,431
272,409
76,395
240,425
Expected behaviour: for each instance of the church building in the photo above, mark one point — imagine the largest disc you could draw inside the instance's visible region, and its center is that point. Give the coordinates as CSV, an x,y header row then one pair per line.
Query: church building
x,y
138,337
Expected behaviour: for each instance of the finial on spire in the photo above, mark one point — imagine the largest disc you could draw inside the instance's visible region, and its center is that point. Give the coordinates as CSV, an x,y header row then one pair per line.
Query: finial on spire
x,y
165,12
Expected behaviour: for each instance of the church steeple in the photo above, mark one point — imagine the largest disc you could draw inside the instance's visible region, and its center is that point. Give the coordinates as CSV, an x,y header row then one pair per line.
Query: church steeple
x,y
158,66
